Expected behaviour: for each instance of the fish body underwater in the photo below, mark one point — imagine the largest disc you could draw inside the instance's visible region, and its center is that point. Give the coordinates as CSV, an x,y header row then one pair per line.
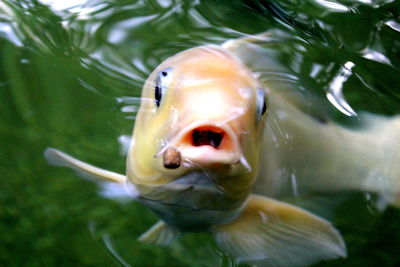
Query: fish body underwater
x,y
213,148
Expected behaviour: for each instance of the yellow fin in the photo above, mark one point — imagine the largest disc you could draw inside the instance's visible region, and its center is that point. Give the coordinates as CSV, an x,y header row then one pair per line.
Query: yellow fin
x,y
160,234
59,158
279,234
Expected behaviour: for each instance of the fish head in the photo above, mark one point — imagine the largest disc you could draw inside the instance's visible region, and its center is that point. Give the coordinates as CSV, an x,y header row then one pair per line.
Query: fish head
x,y
208,107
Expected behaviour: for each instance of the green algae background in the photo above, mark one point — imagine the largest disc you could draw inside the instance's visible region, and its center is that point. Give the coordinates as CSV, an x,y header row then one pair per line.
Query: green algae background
x,y
71,76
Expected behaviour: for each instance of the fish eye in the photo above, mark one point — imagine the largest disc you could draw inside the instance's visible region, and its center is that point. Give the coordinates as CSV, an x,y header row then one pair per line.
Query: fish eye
x,y
162,80
261,103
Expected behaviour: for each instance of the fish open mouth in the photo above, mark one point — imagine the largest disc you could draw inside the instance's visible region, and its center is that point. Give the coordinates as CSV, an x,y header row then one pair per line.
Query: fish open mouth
x,y
206,143
207,137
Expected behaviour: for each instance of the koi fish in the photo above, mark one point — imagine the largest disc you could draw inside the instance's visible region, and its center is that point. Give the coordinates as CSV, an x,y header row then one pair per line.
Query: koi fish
x,y
212,146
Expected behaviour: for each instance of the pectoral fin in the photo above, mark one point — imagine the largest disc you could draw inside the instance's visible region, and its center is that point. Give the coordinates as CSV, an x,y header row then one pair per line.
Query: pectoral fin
x,y
279,234
160,234
59,158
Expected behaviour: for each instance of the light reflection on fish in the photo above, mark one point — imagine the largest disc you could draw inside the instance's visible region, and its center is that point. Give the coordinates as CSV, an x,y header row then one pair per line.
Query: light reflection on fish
x,y
211,146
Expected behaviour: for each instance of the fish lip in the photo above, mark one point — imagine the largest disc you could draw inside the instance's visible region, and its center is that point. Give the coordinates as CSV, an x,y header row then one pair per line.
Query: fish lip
x,y
224,157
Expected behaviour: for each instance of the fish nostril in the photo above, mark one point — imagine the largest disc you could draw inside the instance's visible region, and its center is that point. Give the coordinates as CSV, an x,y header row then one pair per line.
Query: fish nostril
x,y
206,137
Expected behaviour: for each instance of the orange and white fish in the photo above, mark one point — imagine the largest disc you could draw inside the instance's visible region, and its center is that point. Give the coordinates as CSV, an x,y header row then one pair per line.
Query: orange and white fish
x,y
208,153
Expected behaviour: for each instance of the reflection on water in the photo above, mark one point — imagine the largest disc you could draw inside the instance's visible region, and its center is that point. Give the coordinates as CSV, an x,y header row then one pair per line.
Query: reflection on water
x,y
335,93
71,75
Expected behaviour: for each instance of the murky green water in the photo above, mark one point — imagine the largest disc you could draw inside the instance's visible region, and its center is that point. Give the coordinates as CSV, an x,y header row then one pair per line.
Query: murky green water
x,y
70,75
